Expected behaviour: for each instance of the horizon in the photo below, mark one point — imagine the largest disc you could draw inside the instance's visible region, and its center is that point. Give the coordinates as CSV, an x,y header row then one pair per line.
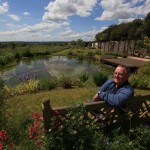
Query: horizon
x,y
64,20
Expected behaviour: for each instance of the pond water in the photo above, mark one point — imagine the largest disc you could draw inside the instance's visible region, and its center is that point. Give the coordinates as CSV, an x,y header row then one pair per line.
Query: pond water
x,y
55,66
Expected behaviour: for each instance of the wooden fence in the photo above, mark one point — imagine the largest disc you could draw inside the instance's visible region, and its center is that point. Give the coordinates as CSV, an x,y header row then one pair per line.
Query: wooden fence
x,y
137,110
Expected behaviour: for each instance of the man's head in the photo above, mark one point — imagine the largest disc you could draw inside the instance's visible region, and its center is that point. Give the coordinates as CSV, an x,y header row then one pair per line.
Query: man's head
x,y
121,75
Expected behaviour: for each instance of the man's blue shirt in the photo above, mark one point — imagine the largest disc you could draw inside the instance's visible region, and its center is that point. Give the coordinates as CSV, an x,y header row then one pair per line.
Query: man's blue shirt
x,y
116,97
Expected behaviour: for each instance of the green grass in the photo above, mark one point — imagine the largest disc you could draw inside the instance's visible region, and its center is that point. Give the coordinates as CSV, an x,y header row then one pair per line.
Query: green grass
x,y
30,103
19,108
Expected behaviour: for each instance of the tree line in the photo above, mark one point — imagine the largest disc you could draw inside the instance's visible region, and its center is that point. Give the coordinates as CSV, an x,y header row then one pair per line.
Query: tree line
x,y
138,29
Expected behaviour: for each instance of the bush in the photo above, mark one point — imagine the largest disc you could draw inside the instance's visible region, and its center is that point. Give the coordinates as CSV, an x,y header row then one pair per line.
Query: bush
x,y
2,102
17,55
66,82
84,76
72,131
133,79
29,86
141,137
46,84
142,78
144,82
100,78
75,132
145,69
4,60
27,53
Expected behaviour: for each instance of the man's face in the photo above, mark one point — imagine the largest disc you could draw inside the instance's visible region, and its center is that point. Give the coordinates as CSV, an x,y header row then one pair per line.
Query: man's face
x,y
120,76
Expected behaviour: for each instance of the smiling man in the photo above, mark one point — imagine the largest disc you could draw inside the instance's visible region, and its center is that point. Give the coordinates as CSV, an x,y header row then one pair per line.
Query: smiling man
x,y
118,91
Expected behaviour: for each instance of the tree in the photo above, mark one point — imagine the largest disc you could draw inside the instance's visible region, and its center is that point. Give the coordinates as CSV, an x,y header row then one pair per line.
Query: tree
x,y
80,43
13,46
147,25
147,43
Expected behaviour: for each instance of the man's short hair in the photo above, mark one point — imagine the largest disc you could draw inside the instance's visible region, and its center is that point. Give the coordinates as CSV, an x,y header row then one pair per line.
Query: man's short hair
x,y
126,68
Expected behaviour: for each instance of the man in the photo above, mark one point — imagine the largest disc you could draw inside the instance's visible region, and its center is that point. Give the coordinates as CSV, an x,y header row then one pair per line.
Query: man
x,y
118,91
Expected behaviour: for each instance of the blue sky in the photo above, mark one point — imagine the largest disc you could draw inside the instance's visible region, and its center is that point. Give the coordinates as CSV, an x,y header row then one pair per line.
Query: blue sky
x,y
64,20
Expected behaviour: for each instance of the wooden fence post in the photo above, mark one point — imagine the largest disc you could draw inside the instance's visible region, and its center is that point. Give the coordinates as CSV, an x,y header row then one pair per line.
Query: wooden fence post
x,y
47,112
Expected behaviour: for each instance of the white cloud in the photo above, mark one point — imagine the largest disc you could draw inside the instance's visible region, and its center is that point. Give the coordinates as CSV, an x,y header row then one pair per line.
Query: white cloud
x,y
60,10
8,33
41,27
125,20
143,9
123,9
69,35
134,2
4,8
11,25
14,17
25,13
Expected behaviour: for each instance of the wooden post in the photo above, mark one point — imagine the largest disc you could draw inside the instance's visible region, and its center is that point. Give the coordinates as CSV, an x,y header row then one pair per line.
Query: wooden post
x,y
47,113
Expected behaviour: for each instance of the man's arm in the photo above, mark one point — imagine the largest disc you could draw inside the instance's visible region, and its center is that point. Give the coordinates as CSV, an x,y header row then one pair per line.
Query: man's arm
x,y
102,88
118,99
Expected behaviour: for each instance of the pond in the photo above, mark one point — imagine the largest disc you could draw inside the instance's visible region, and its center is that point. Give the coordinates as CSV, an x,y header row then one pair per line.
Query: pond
x,y
55,66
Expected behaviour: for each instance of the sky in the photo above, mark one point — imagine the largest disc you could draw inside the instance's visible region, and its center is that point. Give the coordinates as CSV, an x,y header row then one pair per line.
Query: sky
x,y
65,20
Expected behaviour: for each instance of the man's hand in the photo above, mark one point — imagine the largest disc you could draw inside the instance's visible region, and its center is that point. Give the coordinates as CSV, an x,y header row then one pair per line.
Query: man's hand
x,y
96,98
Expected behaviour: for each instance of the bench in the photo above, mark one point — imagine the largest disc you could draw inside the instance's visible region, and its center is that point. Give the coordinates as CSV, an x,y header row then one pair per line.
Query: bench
x,y
137,111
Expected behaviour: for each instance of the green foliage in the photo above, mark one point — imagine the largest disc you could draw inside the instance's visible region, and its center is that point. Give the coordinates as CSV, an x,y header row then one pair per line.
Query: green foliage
x,y
100,78
2,106
141,137
46,84
98,52
126,31
43,53
145,69
31,86
6,59
66,82
75,132
1,83
84,76
17,55
27,53
144,82
133,79
142,78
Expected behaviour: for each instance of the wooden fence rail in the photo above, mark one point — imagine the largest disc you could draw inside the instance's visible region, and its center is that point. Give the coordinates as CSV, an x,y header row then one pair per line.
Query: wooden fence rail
x,y
137,110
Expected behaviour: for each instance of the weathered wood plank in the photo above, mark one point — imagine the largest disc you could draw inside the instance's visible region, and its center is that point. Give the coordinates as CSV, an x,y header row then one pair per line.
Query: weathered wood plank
x,y
138,109
133,64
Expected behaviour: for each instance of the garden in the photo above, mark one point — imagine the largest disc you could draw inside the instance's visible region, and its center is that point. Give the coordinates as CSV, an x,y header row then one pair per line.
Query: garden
x,y
21,121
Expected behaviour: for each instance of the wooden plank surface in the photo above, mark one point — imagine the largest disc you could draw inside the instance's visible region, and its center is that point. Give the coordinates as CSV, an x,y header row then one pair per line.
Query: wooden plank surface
x,y
128,62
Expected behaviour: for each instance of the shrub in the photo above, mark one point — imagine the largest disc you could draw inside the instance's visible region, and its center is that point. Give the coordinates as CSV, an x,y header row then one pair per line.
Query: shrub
x,y
145,69
78,83
84,76
144,82
46,84
100,78
75,132
141,137
9,57
72,131
27,53
28,86
133,79
2,104
66,82
17,55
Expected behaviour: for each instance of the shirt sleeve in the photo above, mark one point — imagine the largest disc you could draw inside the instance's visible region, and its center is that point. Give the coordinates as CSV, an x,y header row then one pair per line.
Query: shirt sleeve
x,y
118,99
105,85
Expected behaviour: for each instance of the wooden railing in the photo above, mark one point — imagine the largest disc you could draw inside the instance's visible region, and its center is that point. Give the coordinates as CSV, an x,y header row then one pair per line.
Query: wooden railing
x,y
137,110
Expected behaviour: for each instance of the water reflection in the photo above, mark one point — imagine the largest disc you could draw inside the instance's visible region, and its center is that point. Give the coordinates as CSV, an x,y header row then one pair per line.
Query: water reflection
x,y
55,66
